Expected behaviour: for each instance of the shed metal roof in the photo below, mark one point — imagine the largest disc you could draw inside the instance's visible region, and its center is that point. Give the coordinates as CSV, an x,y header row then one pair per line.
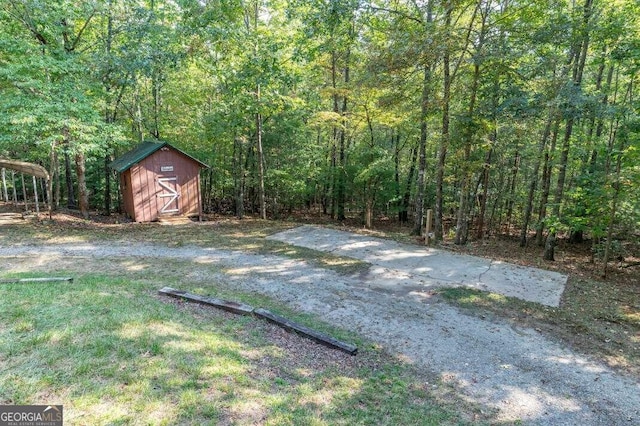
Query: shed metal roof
x,y
141,152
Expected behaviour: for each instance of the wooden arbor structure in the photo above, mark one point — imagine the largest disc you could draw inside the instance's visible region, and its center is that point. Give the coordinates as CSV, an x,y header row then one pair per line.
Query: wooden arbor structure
x,y
35,171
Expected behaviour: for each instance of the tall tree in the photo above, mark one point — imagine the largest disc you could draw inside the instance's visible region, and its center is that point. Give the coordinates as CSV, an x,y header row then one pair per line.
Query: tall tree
x,y
424,115
49,82
577,57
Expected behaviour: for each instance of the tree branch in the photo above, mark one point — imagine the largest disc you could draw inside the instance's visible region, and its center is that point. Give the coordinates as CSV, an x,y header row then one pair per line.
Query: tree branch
x,y
84,27
24,17
466,42
396,12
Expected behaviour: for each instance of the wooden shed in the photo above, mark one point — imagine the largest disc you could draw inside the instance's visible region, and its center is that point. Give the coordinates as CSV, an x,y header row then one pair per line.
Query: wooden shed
x,y
158,180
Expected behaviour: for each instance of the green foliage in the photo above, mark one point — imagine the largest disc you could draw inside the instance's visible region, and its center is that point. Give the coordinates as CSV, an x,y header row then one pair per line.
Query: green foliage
x,y
48,95
339,82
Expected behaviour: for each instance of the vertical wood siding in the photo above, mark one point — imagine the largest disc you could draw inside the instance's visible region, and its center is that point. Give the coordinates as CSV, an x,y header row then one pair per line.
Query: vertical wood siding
x,y
127,193
145,190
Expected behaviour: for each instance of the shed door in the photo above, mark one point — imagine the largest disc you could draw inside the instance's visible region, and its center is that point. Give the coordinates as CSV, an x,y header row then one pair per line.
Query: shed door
x,y
169,195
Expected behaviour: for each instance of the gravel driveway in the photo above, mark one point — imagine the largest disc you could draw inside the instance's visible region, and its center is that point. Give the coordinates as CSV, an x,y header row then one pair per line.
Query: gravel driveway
x,y
514,371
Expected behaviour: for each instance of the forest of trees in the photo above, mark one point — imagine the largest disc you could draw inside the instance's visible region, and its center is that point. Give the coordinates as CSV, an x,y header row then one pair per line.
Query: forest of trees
x,y
518,116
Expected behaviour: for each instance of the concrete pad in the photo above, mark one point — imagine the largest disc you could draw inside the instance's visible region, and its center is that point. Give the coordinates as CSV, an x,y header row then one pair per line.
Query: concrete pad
x,y
395,265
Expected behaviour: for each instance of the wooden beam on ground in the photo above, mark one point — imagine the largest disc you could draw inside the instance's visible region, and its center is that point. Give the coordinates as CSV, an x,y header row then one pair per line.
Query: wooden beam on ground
x,y
235,307
35,280
242,309
306,332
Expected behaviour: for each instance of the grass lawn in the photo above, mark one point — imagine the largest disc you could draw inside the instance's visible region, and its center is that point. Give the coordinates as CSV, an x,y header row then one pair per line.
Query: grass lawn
x,y
114,352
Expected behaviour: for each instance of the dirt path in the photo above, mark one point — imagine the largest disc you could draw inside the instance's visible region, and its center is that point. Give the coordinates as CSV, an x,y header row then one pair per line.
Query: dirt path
x,y
514,371
10,218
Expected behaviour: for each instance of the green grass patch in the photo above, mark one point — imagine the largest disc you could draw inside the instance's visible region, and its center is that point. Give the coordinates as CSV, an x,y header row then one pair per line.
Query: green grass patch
x,y
113,352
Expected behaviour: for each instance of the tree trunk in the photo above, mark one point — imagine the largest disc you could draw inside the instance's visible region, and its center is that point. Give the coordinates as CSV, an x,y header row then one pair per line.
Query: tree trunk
x,y
53,166
549,248
44,191
407,189
342,170
56,181
372,182
444,140
396,165
557,200
512,190
485,188
155,92
616,185
238,178
368,211
334,137
465,204
71,199
107,184
250,191
137,123
109,117
546,183
83,196
594,132
497,200
462,225
261,194
209,192
534,179
422,164
486,169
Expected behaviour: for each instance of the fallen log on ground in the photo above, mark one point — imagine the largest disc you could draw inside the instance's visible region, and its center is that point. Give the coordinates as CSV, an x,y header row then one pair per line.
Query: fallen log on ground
x,y
306,331
235,307
242,309
35,280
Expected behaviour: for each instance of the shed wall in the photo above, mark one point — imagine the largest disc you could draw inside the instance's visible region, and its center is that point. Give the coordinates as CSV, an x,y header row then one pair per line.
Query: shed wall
x,y
145,189
127,193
